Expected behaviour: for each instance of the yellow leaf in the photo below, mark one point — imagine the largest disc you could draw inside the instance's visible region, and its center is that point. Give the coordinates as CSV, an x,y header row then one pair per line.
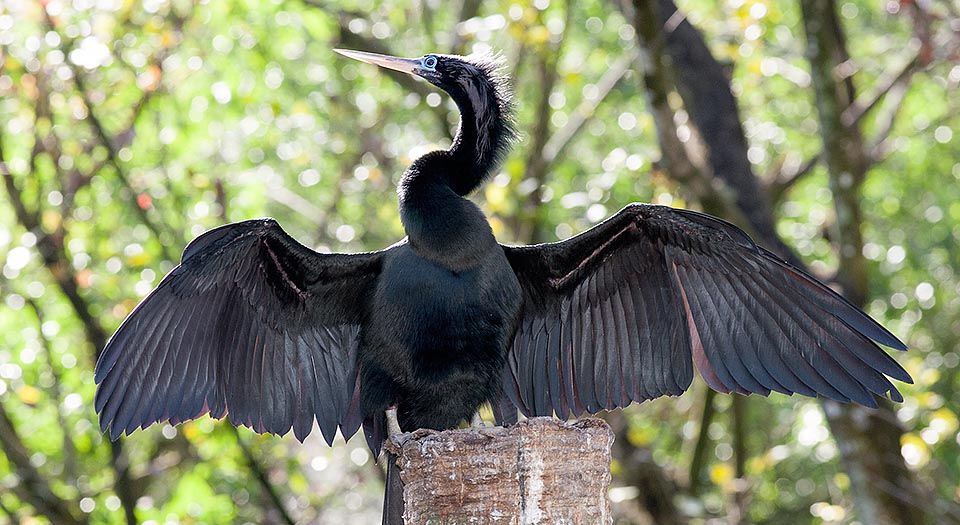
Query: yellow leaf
x,y
496,225
29,395
929,376
721,473
538,35
912,439
639,437
944,421
759,463
841,480
496,197
914,449
11,64
167,38
51,220
200,180
152,26
616,467
515,168
139,259
300,107
530,15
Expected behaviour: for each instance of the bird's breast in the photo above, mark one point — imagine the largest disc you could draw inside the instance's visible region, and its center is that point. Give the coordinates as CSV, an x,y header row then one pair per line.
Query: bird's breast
x,y
424,311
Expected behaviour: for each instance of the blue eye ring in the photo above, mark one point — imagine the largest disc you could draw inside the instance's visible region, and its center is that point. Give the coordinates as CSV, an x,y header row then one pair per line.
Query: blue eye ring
x,y
429,63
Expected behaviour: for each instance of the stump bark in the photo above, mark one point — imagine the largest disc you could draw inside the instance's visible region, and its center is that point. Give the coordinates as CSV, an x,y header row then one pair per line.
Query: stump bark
x,y
539,471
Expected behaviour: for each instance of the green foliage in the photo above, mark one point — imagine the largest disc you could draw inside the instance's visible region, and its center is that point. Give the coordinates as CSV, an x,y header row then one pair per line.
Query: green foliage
x,y
223,111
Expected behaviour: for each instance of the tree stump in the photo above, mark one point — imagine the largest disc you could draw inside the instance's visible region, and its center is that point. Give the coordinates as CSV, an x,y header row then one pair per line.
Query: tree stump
x,y
539,471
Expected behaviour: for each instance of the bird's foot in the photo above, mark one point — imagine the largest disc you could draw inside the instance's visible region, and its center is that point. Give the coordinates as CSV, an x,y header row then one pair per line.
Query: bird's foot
x,y
476,421
393,425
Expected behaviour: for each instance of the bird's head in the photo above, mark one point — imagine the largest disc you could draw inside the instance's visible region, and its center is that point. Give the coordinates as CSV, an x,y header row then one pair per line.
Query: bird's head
x,y
453,74
483,95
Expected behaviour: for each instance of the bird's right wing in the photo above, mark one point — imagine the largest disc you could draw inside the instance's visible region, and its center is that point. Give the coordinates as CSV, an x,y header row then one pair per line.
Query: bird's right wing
x,y
623,312
251,323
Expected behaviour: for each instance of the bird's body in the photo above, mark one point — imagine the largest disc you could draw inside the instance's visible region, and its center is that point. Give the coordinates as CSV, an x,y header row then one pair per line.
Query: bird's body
x,y
447,303
438,336
256,325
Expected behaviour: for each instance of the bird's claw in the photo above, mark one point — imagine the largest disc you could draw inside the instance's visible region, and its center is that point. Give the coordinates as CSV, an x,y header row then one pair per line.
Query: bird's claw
x,y
476,421
393,425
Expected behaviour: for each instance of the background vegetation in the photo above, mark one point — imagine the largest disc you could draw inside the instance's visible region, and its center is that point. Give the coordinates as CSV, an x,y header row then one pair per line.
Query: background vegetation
x,y
127,128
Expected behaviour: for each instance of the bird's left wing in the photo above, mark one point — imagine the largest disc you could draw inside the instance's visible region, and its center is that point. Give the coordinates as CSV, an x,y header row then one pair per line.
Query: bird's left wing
x,y
252,323
623,311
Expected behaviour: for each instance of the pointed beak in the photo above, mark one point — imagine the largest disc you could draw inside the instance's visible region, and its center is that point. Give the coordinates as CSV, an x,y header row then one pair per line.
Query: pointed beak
x,y
406,65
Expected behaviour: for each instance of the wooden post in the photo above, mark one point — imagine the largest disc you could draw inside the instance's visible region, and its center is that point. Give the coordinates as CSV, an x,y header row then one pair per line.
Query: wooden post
x,y
539,471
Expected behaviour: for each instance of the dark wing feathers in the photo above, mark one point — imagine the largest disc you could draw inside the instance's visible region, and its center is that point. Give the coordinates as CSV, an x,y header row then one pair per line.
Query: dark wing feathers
x,y
251,324
624,311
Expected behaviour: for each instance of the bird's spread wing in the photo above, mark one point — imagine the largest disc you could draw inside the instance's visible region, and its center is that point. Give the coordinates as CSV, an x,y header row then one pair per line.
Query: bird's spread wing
x,y
624,311
251,323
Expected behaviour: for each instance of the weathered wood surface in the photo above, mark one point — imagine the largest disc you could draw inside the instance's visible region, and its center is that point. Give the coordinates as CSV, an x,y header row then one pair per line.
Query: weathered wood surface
x,y
539,471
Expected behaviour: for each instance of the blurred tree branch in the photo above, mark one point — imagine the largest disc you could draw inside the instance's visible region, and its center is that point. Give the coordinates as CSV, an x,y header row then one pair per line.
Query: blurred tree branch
x,y
561,138
33,487
637,468
53,253
362,42
683,161
69,448
370,142
891,88
738,429
869,440
547,147
703,86
12,515
468,9
51,244
52,250
699,456
788,174
114,142
854,113
262,478
536,165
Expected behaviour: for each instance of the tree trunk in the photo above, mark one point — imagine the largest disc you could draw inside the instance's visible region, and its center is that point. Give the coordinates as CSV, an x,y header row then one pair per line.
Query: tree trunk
x,y
539,471
869,440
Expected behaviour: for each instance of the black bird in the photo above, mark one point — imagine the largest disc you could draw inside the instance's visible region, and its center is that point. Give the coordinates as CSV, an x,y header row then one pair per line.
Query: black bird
x,y
254,324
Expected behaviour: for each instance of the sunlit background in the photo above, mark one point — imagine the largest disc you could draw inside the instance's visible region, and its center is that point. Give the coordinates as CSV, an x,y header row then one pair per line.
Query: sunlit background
x,y
128,128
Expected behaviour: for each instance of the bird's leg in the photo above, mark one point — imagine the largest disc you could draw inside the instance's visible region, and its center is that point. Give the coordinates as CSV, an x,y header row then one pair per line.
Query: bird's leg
x,y
393,425
476,421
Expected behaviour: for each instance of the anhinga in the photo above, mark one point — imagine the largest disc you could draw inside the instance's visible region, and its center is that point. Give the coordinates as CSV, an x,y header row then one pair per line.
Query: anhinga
x,y
254,324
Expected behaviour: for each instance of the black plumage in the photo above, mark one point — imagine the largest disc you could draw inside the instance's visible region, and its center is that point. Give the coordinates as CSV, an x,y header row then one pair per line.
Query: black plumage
x,y
255,325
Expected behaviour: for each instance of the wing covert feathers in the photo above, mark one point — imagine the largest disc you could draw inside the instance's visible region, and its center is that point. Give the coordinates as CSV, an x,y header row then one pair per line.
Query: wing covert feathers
x,y
623,313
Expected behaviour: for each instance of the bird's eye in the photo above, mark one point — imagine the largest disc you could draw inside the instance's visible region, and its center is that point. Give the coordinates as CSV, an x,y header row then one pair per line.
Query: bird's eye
x,y
429,62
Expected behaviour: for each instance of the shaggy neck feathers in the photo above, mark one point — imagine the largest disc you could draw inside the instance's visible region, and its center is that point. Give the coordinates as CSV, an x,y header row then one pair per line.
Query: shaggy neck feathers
x,y
486,130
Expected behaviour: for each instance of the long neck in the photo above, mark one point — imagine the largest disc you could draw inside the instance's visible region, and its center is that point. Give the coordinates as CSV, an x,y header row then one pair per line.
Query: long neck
x,y
440,223
482,139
